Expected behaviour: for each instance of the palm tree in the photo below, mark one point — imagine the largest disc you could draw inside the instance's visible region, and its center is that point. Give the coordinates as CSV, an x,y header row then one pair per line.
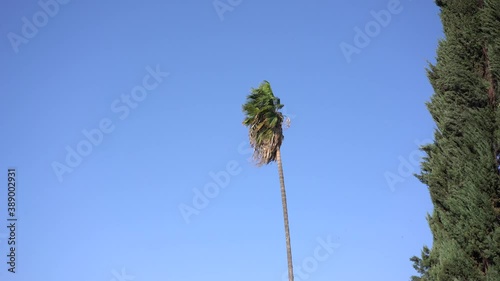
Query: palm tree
x,y
265,124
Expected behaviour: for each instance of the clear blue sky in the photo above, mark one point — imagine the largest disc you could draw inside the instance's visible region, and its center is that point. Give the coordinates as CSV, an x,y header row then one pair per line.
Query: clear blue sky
x,y
88,65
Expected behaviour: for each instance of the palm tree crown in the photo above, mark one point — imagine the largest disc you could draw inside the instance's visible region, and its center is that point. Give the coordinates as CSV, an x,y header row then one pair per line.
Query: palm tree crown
x,y
265,121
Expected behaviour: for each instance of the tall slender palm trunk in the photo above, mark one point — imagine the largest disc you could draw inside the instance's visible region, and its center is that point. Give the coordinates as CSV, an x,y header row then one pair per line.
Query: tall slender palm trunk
x,y
285,215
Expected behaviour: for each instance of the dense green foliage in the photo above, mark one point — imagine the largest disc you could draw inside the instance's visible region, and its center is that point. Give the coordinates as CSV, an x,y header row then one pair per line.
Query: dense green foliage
x,y
265,121
461,167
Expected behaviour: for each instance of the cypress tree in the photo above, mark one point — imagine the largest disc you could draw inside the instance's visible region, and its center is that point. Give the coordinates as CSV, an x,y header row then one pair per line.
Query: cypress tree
x,y
462,164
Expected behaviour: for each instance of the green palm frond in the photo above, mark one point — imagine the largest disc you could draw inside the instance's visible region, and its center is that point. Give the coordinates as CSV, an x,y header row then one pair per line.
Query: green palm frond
x,y
265,122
